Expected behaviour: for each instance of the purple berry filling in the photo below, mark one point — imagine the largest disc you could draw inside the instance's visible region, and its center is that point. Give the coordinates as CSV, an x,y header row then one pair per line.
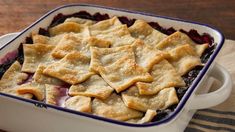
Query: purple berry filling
x,y
63,96
42,31
125,20
8,57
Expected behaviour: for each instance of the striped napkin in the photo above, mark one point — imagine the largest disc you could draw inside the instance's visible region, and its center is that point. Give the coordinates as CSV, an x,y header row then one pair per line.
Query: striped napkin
x,y
222,117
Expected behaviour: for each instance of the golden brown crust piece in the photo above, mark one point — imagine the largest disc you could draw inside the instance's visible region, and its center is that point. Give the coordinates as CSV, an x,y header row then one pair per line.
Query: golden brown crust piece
x,y
130,74
39,77
95,86
142,30
82,21
36,89
52,93
72,42
114,108
184,58
113,31
178,39
164,76
79,103
40,39
162,100
106,24
69,42
11,80
68,27
34,54
73,68
146,56
101,57
13,76
117,67
149,115
118,36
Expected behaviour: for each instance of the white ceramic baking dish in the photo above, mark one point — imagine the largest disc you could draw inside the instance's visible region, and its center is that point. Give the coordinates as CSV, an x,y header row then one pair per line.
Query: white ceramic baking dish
x,y
18,114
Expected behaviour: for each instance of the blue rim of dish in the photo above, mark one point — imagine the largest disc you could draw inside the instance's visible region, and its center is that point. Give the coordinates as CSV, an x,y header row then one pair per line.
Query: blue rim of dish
x,y
166,119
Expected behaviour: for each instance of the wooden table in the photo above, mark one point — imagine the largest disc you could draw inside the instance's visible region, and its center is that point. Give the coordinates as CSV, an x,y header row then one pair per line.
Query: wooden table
x,y
17,14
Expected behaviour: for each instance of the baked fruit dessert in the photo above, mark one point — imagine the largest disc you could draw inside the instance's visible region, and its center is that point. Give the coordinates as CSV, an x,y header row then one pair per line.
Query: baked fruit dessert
x,y
124,69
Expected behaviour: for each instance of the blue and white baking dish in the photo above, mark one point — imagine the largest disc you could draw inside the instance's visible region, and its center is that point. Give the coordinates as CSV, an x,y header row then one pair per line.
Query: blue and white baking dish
x,y
21,115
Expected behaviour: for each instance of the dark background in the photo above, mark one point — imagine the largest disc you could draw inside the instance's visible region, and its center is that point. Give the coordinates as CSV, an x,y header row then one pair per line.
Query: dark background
x,y
15,15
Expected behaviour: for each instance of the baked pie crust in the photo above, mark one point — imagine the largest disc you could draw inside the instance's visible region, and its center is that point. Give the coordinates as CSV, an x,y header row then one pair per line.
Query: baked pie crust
x,y
113,31
130,73
52,93
79,103
118,36
159,101
80,21
36,89
40,39
68,27
35,54
95,86
117,67
148,117
146,56
12,78
114,108
105,24
69,43
184,58
164,76
142,30
178,39
101,57
72,42
39,77
73,68
104,68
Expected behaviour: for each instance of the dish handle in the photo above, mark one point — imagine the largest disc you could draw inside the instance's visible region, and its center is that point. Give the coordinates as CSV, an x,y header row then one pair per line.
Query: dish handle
x,y
214,98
